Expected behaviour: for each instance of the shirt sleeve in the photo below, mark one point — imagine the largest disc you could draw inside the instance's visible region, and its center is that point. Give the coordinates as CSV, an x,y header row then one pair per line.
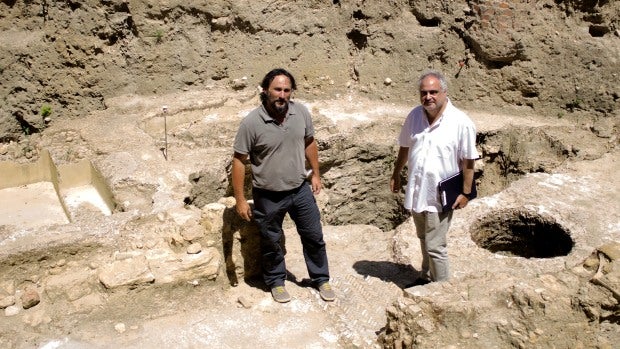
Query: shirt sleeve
x,y
308,119
404,139
468,141
243,140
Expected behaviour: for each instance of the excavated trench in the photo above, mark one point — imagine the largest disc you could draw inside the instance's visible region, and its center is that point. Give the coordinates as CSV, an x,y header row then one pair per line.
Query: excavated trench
x,y
41,193
356,179
357,175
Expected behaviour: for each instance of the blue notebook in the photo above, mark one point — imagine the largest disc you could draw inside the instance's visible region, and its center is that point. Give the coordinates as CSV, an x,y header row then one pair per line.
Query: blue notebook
x,y
450,188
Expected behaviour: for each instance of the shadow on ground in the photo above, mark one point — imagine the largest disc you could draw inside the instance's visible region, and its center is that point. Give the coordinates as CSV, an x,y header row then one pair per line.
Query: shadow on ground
x,y
401,275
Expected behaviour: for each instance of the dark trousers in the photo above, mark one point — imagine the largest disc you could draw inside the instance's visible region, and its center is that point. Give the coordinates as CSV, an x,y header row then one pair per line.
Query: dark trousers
x,y
269,210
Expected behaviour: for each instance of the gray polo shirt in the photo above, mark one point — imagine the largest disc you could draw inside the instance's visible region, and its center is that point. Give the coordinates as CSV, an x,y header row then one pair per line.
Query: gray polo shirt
x,y
277,152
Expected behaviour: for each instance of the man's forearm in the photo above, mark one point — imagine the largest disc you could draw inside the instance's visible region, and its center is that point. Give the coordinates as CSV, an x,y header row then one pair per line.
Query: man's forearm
x,y
401,160
312,155
468,175
238,178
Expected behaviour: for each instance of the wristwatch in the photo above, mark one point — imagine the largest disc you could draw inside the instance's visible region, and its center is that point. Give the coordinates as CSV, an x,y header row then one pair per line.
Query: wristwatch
x,y
468,196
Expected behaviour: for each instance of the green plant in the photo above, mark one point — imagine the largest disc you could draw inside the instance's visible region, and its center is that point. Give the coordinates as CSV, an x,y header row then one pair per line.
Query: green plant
x,y
574,104
577,102
46,110
158,35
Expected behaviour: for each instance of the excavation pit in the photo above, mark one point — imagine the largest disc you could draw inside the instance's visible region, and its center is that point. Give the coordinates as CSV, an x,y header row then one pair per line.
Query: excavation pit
x,y
520,233
40,194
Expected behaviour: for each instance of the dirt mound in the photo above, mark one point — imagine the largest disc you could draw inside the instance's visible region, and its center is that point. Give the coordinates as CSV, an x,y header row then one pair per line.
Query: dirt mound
x,y
64,59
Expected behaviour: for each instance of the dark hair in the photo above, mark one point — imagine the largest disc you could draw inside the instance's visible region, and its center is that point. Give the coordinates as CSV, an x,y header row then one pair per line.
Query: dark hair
x,y
272,74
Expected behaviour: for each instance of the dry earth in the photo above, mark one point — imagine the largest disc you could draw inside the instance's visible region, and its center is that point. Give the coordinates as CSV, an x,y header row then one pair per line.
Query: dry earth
x,y
173,266
65,263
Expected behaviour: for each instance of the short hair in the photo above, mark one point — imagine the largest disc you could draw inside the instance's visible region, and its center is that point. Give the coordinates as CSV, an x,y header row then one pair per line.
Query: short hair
x,y
436,74
272,75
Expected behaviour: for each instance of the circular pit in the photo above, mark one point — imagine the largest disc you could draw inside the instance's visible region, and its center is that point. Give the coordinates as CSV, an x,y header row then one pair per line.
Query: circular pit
x,y
521,233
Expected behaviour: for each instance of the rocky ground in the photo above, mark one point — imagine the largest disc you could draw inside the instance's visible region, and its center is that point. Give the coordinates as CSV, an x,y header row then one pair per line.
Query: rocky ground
x,y
110,281
150,93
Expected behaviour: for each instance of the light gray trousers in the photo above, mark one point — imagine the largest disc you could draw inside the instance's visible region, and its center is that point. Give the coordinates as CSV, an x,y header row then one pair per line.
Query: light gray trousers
x,y
432,229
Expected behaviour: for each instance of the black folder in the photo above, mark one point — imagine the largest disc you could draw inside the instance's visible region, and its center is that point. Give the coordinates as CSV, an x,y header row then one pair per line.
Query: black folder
x,y
450,188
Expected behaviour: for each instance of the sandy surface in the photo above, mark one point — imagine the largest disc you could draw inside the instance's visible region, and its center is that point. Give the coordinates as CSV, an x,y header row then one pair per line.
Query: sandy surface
x,y
32,205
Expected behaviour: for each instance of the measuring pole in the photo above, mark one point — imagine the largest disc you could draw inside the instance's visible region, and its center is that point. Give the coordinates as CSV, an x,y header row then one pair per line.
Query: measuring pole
x,y
165,108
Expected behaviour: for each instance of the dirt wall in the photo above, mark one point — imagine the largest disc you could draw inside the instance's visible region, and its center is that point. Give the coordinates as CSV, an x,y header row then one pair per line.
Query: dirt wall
x,y
62,59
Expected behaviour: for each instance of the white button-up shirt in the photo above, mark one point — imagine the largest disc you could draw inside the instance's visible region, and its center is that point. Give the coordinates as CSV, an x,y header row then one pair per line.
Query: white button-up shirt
x,y
435,153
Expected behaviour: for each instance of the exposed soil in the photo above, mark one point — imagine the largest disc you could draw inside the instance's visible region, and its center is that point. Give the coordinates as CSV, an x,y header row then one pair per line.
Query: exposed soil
x,y
370,265
151,94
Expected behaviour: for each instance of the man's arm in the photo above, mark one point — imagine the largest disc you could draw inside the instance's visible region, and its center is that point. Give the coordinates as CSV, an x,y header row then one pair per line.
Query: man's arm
x,y
401,160
238,182
312,155
468,180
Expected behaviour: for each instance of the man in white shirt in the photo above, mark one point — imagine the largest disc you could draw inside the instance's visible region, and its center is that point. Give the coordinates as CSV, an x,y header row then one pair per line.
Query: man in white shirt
x,y
437,140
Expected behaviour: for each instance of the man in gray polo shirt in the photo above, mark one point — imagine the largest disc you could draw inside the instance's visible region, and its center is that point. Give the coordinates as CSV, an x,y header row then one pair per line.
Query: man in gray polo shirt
x,y
278,138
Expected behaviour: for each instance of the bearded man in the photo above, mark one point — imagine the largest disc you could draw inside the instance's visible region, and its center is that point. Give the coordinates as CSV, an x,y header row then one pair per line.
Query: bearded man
x,y
278,139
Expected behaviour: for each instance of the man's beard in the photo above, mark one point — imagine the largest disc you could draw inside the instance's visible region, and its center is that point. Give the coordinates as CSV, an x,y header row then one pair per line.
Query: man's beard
x,y
280,109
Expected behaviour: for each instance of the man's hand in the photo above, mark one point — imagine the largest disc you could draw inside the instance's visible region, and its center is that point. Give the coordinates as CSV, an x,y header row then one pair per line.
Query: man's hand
x,y
238,176
468,180
315,180
401,160
243,209
312,155
461,202
395,184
